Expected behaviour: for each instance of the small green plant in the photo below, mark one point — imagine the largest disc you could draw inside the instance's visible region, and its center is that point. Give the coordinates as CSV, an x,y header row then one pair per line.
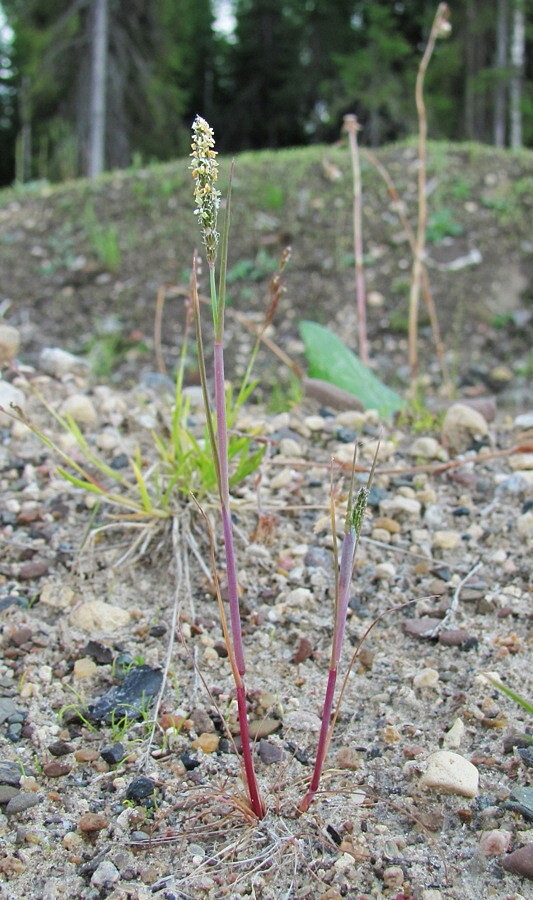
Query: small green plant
x,y
104,240
252,269
526,705
442,225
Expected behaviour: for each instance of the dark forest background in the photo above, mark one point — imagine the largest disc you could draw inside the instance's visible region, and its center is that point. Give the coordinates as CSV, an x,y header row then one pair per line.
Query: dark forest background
x,y
87,85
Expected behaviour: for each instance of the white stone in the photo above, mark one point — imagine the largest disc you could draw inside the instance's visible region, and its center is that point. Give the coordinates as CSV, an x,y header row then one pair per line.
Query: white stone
x,y
289,447
446,540
299,597
451,773
426,678
524,526
521,461
453,738
428,448
9,394
461,426
524,421
57,362
81,408
96,616
400,507
314,423
9,343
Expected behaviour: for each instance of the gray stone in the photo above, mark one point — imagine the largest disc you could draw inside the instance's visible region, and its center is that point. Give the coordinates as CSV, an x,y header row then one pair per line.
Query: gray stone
x,y
7,709
21,803
9,772
105,876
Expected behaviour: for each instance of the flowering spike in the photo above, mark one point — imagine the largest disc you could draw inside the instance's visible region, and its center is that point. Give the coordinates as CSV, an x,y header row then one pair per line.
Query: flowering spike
x,y
204,168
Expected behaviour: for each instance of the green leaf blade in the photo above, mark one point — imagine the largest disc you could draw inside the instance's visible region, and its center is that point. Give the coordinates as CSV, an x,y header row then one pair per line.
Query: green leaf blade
x,y
330,360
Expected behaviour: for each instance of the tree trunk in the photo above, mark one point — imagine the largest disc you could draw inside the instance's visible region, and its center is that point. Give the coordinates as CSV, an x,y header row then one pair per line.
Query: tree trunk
x,y
501,85
518,41
97,115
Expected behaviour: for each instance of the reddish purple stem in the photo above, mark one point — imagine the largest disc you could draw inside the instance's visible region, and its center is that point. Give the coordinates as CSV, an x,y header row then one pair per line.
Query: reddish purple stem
x,y
349,545
231,574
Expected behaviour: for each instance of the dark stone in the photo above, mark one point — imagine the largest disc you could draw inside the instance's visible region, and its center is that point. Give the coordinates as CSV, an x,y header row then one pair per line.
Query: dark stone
x,y
461,511
120,461
526,755
345,435
113,754
102,655
129,698
189,762
56,769
14,732
269,753
140,789
9,773
521,800
514,739
158,631
60,748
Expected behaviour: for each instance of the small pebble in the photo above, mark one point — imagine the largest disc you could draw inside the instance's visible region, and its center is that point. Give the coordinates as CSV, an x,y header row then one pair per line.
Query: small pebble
x,y
60,748
520,862
80,408
393,878
10,773
525,421
84,668
7,792
91,822
462,426
453,738
401,508
95,616
56,769
426,678
446,540
451,774
206,742
105,876
524,526
427,448
9,343
496,842
21,803
7,709
269,753
113,754
57,362
140,788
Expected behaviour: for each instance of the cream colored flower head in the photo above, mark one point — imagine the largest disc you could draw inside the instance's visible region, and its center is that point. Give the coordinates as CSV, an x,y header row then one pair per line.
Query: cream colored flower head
x,y
204,167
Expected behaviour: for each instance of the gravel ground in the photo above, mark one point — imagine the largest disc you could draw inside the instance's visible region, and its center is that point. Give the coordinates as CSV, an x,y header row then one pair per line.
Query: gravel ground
x,y
138,793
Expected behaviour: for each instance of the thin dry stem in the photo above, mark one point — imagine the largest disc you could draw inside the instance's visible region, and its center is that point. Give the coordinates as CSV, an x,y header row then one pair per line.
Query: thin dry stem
x,y
351,127
437,30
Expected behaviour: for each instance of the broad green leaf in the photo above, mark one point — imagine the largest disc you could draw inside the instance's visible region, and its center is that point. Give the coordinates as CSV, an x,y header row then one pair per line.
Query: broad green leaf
x,y
332,361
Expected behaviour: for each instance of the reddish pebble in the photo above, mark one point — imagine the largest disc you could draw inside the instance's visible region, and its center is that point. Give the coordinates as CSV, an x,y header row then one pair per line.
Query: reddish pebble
x,y
453,637
520,862
304,651
21,636
91,822
34,569
421,627
495,842
56,769
86,754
